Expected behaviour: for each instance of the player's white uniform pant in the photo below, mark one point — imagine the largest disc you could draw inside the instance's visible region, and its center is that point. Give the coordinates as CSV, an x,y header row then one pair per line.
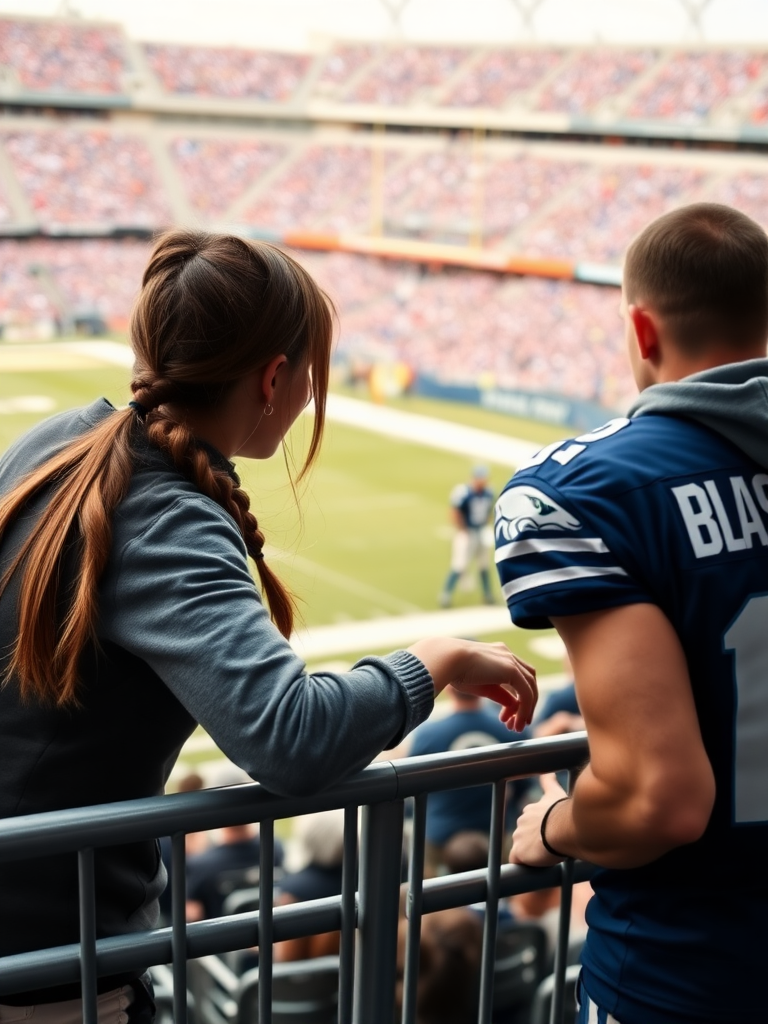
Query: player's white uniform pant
x,y
471,545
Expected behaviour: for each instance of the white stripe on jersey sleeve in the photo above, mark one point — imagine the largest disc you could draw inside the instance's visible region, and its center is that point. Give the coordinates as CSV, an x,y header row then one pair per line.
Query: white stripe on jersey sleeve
x,y
590,545
568,572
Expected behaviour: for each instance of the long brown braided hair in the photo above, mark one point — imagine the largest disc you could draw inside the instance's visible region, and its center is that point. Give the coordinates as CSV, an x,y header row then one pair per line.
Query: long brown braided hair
x,y
212,308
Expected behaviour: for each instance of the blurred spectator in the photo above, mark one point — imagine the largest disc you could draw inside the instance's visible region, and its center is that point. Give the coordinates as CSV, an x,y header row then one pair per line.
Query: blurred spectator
x,y
449,967
229,860
320,839
467,725
48,56
228,72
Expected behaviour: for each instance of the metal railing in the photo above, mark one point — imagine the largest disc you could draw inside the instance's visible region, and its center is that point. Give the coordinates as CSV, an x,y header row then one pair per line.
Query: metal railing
x,y
367,918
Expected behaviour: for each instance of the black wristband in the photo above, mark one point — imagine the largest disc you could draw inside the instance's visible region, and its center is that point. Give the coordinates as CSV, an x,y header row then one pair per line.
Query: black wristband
x,y
547,847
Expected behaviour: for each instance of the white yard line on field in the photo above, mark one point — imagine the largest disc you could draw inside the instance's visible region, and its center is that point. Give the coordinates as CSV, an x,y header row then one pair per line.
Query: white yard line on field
x,y
377,597
434,433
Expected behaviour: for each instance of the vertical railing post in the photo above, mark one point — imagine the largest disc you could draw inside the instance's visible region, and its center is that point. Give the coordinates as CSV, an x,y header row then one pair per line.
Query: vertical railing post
x,y
381,852
266,897
490,924
413,909
348,917
557,1010
87,896
179,925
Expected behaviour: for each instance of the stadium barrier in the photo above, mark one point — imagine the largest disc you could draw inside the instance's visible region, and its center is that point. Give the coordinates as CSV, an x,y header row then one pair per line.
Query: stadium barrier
x,y
367,919
535,405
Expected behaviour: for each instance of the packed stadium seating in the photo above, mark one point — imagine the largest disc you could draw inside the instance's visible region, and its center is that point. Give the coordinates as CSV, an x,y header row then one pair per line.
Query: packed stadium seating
x,y
98,178
687,86
95,173
47,56
227,71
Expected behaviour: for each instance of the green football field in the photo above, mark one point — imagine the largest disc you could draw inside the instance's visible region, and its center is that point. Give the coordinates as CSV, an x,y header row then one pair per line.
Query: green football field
x,y
370,535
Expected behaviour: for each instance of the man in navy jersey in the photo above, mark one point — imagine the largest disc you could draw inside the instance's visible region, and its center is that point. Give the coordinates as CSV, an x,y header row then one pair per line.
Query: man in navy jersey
x,y
471,513
645,544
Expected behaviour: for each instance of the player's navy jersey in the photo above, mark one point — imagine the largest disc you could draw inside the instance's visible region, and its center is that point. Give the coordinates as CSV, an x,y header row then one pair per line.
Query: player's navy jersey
x,y
663,510
474,507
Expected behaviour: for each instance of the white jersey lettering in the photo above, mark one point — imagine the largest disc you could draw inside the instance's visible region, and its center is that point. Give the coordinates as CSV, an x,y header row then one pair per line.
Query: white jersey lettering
x,y
703,531
749,517
732,542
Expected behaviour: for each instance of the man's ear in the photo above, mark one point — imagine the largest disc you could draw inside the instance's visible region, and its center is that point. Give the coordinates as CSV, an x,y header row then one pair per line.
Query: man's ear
x,y
646,332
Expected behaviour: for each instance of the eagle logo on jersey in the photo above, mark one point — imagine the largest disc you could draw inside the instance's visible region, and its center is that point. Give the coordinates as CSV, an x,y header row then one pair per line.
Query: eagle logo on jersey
x,y
521,509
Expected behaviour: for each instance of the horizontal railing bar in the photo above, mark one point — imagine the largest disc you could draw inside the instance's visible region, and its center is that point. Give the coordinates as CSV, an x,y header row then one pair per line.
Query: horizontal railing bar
x,y
469,887
130,821
431,773
60,966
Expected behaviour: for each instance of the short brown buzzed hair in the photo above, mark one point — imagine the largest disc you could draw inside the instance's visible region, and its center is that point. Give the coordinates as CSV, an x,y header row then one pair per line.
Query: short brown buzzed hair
x,y
704,269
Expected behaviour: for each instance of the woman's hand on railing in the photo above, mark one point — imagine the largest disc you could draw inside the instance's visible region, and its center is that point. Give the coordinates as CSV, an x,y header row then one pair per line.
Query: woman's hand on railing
x,y
485,670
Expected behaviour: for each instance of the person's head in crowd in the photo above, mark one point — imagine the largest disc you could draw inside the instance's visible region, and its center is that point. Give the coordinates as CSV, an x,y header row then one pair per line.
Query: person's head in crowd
x,y
463,701
695,292
449,966
191,782
466,851
231,339
320,838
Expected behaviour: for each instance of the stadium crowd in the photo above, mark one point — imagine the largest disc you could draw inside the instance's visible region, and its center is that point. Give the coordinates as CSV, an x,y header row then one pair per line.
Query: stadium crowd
x,y
687,85
97,177
590,78
215,172
690,85
227,72
496,80
47,56
464,326
404,72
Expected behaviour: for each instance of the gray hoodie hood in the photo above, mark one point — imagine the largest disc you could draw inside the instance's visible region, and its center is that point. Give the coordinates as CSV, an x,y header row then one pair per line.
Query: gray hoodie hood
x,y
730,399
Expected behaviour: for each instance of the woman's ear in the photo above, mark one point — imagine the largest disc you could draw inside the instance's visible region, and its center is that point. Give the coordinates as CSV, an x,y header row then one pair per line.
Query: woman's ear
x,y
269,377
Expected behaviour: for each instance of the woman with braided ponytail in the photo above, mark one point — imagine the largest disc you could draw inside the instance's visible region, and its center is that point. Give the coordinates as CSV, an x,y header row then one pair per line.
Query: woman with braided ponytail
x,y
128,613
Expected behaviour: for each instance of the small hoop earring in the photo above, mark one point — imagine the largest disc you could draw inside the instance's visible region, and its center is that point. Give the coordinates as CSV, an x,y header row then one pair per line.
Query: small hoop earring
x,y
268,410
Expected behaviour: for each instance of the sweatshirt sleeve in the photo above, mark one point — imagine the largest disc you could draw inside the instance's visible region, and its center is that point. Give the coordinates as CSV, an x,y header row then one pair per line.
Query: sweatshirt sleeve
x,y
180,597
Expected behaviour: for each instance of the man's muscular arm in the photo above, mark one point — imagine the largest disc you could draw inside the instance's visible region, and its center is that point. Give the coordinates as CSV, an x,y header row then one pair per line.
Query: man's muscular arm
x,y
649,786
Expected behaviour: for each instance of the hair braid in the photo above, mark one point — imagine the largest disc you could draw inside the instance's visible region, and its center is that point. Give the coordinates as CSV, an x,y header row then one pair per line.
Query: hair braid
x,y
224,488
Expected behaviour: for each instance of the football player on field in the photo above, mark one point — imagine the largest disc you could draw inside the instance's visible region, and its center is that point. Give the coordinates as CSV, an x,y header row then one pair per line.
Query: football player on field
x,y
645,544
471,514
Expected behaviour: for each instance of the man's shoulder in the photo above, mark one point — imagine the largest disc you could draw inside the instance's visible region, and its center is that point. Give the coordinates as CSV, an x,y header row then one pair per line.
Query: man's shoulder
x,y
624,455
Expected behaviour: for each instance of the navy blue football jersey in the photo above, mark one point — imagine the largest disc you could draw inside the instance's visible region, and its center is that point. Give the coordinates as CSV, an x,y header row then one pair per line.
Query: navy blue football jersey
x,y
660,509
475,507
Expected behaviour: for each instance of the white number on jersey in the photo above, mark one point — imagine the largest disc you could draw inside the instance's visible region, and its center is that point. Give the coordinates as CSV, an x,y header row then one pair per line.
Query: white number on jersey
x,y
564,451
748,638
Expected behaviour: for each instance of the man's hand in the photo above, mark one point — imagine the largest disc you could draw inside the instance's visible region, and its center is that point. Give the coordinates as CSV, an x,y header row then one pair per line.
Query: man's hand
x,y
527,847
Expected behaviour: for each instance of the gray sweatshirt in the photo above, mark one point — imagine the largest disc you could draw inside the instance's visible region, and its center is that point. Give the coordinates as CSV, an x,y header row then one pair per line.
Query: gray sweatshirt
x,y
184,638
731,400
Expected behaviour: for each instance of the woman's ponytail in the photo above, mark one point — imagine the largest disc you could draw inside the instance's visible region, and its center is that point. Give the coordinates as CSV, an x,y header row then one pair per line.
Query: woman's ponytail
x,y
85,483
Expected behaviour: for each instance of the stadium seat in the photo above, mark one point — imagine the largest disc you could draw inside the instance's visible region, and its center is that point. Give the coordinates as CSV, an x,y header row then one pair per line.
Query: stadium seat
x,y
303,992
521,951
542,1000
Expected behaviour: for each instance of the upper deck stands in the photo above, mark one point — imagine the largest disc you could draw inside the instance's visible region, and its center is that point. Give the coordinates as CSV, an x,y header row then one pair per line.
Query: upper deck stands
x,y
47,56
227,72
